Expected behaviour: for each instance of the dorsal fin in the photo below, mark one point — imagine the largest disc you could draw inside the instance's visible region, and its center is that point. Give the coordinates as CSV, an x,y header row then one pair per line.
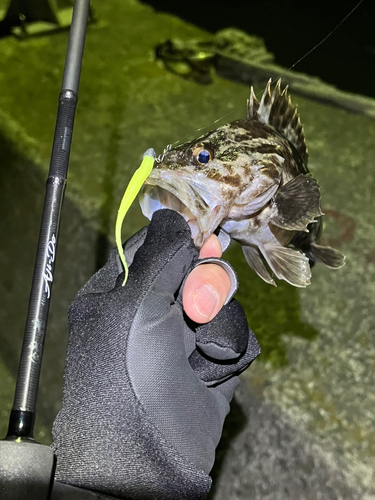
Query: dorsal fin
x,y
276,109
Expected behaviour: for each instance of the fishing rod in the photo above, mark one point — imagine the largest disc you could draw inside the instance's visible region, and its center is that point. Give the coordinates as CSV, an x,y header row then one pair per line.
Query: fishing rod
x,y
22,417
14,450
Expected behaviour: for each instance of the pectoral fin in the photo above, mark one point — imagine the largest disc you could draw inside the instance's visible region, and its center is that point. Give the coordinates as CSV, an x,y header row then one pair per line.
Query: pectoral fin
x,y
287,264
256,263
296,204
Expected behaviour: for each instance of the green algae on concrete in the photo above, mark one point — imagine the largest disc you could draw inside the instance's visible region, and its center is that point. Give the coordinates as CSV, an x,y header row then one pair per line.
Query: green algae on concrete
x,y
271,311
327,385
317,364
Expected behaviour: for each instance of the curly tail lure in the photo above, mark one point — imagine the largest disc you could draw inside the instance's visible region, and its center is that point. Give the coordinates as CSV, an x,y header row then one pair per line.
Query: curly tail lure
x,y
133,188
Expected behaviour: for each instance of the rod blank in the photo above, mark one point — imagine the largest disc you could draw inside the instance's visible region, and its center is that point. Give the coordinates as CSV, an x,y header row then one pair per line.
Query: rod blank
x,y
22,417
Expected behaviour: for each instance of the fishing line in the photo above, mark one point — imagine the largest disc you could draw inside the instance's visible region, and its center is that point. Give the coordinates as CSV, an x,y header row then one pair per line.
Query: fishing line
x,y
222,117
282,74
204,128
322,41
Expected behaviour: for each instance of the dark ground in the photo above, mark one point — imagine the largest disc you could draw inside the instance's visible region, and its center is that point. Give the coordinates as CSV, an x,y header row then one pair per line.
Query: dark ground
x,y
292,28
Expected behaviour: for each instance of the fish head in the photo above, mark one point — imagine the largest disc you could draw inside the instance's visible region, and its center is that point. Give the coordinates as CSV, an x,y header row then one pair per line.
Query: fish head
x,y
220,175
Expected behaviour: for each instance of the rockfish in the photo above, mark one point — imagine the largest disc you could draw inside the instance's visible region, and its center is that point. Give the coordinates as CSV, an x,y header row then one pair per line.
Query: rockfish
x,y
249,177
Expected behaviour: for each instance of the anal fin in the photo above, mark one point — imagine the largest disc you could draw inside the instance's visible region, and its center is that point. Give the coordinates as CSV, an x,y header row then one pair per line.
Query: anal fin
x,y
296,204
287,264
256,263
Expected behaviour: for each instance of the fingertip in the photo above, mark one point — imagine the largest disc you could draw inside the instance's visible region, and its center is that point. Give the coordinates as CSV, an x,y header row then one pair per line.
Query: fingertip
x,y
211,248
205,292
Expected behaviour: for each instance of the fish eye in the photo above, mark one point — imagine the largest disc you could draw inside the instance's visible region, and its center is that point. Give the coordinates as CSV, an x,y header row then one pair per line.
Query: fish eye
x,y
202,155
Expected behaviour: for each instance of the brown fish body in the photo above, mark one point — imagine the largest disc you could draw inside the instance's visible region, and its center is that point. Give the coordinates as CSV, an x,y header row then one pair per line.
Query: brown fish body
x,y
250,177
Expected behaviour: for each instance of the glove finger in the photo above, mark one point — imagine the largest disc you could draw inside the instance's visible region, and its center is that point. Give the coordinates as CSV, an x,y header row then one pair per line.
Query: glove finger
x,y
213,372
226,336
168,238
105,278
226,346
153,247
131,246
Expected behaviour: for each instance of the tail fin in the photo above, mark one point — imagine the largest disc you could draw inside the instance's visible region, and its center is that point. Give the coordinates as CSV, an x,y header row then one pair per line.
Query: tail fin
x,y
326,255
306,242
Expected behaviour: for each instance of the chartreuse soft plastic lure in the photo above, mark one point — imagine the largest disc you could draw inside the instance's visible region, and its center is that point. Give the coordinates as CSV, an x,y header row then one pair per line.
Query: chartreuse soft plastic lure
x,y
133,188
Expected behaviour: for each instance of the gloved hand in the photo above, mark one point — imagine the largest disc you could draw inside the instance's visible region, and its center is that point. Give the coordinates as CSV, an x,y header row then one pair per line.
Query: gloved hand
x,y
143,406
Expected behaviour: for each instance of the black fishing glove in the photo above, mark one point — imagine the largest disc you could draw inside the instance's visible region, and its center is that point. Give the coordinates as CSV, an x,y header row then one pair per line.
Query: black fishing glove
x,y
143,407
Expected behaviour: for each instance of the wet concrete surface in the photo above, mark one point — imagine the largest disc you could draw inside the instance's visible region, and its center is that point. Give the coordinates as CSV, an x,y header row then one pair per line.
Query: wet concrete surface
x,y
270,459
302,422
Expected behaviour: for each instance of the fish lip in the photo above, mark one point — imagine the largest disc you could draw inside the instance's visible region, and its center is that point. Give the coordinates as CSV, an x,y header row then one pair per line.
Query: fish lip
x,y
176,184
198,183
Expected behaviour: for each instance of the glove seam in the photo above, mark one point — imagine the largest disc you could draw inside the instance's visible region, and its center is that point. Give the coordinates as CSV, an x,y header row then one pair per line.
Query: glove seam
x,y
221,345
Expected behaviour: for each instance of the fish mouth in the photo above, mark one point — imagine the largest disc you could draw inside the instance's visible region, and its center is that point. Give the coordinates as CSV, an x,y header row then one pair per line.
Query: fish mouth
x,y
166,189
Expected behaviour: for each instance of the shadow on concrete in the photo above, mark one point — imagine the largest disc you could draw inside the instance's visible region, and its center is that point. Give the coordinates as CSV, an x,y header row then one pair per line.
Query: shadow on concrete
x,y
234,424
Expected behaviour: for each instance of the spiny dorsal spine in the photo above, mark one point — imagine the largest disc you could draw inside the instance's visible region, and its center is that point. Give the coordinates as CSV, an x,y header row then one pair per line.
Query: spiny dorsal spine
x,y
276,109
